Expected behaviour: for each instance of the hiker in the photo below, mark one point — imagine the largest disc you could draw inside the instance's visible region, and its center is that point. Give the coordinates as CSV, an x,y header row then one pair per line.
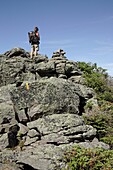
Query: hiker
x,y
34,39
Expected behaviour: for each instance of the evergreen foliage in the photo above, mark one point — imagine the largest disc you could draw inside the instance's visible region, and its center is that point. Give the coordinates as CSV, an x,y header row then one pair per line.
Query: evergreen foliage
x,y
97,78
88,159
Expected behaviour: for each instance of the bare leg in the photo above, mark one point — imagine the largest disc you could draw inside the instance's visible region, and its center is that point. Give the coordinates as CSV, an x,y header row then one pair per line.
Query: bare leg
x,y
32,51
35,51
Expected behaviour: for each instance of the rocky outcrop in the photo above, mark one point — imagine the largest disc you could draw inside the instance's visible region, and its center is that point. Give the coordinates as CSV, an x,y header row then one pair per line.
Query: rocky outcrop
x,y
41,106
15,65
46,97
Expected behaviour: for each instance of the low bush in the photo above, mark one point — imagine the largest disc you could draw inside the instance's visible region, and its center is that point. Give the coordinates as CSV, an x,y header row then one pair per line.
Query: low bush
x,y
88,159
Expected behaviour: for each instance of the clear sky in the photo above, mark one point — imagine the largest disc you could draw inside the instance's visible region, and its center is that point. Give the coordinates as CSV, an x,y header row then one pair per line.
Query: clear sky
x,y
82,28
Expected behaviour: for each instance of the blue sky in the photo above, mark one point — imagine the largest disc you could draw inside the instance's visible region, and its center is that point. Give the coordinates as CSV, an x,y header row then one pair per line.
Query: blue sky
x,y
82,28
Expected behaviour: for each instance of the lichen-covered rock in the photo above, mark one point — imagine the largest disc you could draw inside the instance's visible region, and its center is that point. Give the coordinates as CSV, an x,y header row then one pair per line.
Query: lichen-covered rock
x,y
15,65
46,69
94,144
46,97
17,52
6,105
62,128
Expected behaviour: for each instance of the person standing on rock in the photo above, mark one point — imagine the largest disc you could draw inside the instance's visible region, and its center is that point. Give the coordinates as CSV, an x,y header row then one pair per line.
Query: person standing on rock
x,y
34,39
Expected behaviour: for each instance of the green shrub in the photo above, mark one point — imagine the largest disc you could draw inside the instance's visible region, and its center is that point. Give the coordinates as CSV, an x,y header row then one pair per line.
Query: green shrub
x,y
108,139
97,78
89,105
102,120
88,159
107,96
98,121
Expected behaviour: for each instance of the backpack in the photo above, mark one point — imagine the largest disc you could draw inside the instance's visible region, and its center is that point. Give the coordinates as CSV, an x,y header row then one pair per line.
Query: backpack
x,y
33,38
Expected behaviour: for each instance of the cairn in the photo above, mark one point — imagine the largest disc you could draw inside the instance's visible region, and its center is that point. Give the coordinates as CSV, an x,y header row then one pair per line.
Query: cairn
x,y
59,53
